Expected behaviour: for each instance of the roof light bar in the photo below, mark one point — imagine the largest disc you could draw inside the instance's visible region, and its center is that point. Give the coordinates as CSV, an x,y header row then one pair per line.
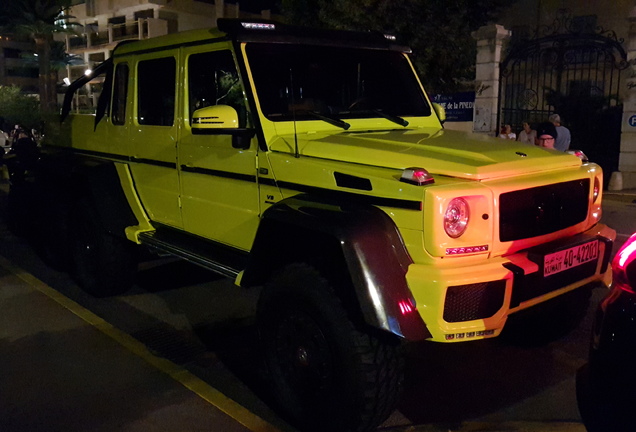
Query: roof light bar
x,y
258,26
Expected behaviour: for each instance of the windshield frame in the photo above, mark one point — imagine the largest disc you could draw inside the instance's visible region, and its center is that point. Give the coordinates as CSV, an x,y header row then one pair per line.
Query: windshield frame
x,y
268,62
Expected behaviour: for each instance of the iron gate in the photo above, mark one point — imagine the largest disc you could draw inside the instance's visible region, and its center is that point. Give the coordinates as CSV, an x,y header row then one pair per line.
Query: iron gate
x,y
572,68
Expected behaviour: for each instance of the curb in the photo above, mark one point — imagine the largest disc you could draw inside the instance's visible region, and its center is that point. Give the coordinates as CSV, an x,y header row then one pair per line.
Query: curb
x,y
521,426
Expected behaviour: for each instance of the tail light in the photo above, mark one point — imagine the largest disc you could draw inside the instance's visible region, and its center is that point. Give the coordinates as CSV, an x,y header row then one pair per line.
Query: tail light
x,y
624,267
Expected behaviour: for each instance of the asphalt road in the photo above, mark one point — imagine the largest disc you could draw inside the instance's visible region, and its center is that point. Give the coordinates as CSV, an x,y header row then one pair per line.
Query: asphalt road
x,y
203,324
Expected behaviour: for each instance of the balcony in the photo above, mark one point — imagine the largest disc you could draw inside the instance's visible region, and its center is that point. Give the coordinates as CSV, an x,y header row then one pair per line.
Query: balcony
x,y
113,33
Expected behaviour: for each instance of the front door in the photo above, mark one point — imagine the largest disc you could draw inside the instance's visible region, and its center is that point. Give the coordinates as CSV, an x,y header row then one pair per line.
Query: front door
x,y
219,189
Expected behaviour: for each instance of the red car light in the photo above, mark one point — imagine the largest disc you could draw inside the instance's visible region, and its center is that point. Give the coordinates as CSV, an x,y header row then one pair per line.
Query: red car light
x,y
622,265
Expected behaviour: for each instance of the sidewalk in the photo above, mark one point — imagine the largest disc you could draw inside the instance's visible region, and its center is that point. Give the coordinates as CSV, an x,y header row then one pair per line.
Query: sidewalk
x,y
64,369
625,195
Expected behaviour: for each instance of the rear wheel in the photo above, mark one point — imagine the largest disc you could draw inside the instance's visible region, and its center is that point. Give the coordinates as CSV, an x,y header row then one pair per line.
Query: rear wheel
x,y
51,231
103,264
326,374
21,208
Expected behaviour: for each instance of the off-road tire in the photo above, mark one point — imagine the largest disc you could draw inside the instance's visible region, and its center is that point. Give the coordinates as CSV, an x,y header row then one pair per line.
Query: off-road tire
x,y
102,263
51,229
326,374
20,208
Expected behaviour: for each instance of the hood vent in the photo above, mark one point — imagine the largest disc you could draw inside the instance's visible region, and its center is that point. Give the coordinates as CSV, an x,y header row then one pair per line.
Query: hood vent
x,y
352,182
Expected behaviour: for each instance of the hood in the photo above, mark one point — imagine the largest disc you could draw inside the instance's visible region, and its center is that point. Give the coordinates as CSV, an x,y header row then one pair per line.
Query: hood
x,y
442,152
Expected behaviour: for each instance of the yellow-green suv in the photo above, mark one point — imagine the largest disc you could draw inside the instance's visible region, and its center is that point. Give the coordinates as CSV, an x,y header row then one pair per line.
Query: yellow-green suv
x,y
312,164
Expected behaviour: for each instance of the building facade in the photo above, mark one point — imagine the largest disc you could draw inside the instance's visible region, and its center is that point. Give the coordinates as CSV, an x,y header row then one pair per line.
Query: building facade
x,y
105,23
566,57
15,70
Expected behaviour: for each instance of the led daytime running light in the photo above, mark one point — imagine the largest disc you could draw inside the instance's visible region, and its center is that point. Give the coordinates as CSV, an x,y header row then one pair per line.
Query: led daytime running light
x,y
466,250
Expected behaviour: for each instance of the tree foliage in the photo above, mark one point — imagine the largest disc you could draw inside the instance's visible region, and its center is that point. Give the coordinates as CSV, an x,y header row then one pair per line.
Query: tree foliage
x,y
39,20
16,108
438,31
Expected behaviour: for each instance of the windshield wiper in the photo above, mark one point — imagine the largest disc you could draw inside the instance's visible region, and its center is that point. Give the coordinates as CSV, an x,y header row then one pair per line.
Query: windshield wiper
x,y
331,120
391,117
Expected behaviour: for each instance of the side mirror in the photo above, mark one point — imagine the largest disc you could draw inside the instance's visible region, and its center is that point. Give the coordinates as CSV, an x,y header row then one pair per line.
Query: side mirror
x,y
222,120
440,111
215,117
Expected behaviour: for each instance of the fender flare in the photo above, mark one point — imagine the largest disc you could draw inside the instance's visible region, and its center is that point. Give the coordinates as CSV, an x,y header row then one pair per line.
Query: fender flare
x,y
370,243
107,195
78,177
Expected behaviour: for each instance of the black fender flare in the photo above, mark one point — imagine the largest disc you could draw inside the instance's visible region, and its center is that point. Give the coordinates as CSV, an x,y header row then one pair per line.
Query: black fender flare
x,y
374,254
77,178
107,196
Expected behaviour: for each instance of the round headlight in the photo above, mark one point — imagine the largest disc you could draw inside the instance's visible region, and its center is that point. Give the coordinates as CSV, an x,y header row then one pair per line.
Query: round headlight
x,y
456,217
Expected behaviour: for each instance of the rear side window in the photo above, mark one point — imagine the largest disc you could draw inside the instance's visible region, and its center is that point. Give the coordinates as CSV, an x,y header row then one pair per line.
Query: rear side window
x,y
118,113
156,81
214,80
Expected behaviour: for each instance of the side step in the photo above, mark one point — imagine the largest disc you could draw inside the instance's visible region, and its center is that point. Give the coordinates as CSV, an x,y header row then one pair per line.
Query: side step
x,y
210,255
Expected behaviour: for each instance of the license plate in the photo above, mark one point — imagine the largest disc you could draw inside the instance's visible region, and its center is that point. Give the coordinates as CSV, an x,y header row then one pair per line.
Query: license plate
x,y
569,258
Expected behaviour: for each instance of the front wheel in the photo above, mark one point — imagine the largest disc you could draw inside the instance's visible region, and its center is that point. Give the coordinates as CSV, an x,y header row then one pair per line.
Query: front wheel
x,y
325,372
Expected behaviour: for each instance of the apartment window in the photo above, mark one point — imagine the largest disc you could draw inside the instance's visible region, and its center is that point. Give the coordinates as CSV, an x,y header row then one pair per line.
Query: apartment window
x,y
97,57
120,87
23,72
11,53
156,91
118,25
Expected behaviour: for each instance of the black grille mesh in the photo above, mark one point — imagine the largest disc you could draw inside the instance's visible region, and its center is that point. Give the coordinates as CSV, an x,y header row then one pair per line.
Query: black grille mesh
x,y
474,301
542,210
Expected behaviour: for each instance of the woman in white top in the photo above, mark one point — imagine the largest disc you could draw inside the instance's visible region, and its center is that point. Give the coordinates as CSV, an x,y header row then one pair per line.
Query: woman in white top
x,y
507,133
527,135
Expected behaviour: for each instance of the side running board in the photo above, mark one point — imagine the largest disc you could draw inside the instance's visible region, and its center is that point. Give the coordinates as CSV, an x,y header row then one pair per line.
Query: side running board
x,y
212,256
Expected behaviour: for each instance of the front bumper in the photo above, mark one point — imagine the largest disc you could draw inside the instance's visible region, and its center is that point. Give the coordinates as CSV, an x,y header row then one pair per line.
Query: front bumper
x,y
472,301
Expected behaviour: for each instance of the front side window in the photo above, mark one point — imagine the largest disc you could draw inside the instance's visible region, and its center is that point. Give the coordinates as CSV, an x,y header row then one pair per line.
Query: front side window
x,y
214,80
294,82
119,94
156,82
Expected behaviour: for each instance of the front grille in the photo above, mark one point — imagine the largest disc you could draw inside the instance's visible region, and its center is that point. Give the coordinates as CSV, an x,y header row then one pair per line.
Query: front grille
x,y
474,301
542,210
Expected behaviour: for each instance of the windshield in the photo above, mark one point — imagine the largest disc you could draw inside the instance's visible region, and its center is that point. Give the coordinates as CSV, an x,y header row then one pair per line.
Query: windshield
x,y
297,82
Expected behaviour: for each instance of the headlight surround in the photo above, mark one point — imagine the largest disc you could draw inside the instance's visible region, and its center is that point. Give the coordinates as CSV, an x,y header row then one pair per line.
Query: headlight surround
x,y
456,217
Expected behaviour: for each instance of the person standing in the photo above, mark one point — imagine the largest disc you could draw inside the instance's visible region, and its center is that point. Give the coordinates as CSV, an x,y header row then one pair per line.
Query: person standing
x,y
563,140
507,133
546,135
527,134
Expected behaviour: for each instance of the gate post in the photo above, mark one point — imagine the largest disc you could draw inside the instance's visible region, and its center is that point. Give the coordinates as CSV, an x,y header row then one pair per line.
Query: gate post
x,y
626,176
490,40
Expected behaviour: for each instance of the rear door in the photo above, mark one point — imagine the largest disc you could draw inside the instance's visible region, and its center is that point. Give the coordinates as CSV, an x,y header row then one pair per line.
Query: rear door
x,y
153,135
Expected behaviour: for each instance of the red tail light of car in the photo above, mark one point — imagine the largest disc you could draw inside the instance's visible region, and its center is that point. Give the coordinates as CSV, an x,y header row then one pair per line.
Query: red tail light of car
x,y
624,267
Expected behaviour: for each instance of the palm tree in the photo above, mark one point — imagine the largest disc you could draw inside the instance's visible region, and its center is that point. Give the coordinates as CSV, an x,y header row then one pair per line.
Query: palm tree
x,y
40,20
